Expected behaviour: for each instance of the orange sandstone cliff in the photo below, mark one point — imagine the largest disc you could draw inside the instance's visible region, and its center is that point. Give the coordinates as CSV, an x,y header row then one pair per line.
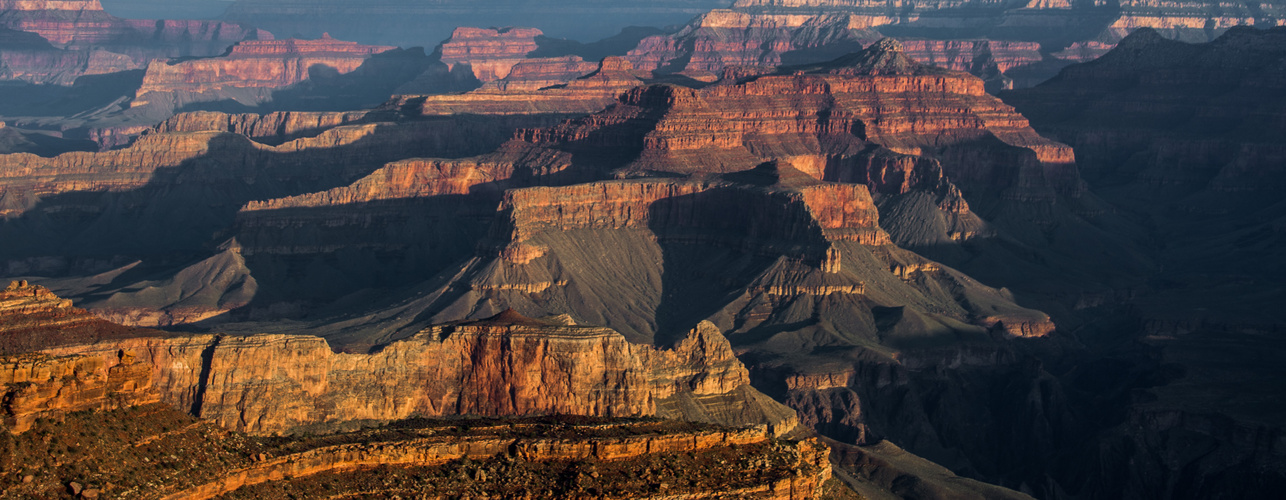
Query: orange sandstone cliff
x,y
504,366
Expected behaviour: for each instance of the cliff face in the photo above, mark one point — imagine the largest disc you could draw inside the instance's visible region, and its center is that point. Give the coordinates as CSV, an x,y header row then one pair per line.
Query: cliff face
x,y
410,23
84,23
769,33
538,73
840,127
34,317
507,365
270,128
253,65
29,58
568,94
490,53
56,42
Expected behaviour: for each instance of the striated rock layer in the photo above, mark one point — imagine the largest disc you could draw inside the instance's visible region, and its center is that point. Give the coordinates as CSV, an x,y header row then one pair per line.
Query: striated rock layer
x,y
33,318
489,53
507,365
56,42
84,23
172,455
1004,44
578,94
252,65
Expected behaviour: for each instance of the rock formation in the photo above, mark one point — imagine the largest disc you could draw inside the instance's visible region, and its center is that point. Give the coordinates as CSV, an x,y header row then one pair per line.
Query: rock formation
x,y
411,23
84,23
56,42
770,33
33,318
577,95
489,53
252,67
553,457
1187,138
538,73
506,365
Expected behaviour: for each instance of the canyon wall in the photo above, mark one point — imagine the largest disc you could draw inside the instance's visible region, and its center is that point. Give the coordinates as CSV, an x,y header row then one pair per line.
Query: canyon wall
x,y
265,65
568,94
507,365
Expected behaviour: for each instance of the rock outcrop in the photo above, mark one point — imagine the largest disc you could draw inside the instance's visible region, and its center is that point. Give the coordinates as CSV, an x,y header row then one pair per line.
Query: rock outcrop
x,y
770,33
33,318
58,42
84,24
253,67
552,457
411,23
489,53
578,95
538,73
269,128
504,366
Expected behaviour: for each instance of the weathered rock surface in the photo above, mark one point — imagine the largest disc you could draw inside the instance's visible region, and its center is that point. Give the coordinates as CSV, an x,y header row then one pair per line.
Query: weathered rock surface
x,y
1002,44
84,23
551,457
489,53
507,365
410,23
56,42
251,65
270,128
576,96
538,73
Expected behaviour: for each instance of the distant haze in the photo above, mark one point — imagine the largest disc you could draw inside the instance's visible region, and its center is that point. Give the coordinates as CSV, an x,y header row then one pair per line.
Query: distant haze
x,y
423,22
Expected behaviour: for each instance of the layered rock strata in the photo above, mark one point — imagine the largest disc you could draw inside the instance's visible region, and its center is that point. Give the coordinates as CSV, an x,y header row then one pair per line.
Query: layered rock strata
x,y
539,73
579,94
252,65
33,318
489,53
1009,52
84,23
507,365
57,42
551,457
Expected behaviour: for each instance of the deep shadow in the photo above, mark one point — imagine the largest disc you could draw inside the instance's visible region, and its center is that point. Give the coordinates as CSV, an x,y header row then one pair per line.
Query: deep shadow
x,y
186,208
616,45
715,243
371,84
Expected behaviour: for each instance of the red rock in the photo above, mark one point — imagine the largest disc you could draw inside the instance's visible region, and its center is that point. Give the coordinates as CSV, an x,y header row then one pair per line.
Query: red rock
x,y
506,365
583,95
84,23
539,73
270,64
33,318
490,53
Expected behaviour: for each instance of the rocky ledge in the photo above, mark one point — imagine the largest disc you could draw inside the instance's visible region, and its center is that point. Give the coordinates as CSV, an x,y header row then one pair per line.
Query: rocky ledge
x,y
153,451
505,365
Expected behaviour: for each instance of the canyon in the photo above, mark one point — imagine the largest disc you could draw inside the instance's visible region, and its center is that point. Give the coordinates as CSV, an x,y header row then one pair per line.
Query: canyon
x,y
78,38
785,230
1193,150
251,65
507,365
